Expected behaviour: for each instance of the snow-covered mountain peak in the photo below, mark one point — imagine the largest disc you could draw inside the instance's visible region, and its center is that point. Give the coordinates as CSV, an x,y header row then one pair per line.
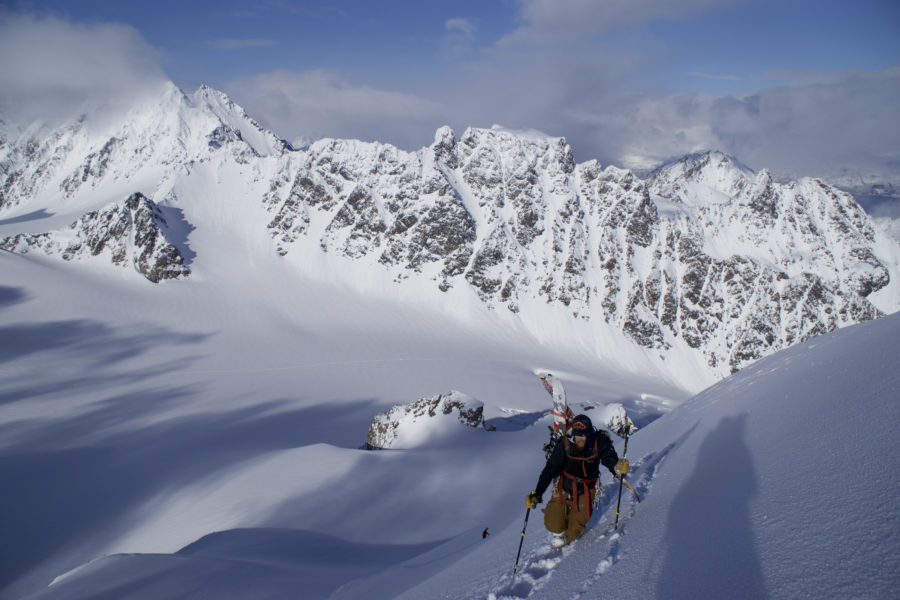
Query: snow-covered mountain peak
x,y
703,164
232,115
530,142
111,157
201,121
350,148
516,174
444,134
703,179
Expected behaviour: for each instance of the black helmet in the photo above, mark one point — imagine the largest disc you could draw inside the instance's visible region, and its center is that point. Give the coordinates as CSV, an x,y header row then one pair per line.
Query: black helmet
x,y
581,425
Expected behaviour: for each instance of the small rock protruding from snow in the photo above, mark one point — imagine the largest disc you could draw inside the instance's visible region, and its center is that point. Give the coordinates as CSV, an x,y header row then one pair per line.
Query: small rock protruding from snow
x,y
408,425
615,419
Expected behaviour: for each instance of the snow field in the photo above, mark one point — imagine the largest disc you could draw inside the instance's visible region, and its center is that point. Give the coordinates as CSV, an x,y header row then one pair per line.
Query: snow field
x,y
157,416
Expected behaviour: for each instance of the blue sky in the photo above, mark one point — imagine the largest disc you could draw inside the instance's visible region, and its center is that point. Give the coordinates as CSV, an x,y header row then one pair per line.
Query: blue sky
x,y
798,86
406,41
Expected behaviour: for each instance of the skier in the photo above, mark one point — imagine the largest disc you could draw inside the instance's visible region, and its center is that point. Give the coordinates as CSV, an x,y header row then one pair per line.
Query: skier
x,y
576,465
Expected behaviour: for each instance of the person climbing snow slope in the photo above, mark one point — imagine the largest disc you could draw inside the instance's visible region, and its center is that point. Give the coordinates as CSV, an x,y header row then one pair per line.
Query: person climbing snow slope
x,y
575,464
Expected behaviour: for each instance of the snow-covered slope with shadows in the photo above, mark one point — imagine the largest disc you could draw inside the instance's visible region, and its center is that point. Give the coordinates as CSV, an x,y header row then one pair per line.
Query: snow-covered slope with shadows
x,y
777,482
141,418
202,434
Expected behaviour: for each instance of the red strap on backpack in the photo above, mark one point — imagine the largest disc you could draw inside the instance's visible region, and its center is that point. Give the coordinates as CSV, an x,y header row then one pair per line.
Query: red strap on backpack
x,y
584,480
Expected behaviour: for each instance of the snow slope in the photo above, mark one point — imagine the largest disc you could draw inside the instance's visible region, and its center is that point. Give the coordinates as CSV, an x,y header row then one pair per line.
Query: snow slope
x,y
179,448
140,418
779,482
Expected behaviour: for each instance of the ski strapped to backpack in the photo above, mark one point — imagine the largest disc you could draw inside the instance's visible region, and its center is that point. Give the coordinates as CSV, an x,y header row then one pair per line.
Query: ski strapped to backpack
x,y
560,412
562,419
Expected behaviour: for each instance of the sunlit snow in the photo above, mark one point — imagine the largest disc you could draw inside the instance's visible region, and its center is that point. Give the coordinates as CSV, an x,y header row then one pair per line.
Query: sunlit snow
x,y
205,437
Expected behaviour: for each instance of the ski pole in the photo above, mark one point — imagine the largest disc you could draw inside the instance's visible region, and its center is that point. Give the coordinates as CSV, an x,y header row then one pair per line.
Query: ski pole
x,y
622,477
522,539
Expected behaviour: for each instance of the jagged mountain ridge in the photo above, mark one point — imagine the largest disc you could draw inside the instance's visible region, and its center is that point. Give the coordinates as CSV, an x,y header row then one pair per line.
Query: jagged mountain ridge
x,y
703,256
517,219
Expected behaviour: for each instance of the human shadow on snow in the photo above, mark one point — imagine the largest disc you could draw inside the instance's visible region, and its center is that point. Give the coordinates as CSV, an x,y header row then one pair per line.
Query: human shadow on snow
x,y
710,551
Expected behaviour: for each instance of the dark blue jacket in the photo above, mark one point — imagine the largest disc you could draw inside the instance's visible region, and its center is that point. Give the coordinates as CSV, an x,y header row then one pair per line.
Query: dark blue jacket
x,y
598,449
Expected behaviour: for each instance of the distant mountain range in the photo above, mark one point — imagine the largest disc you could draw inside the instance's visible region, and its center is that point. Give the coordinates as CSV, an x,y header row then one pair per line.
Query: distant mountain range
x,y
703,256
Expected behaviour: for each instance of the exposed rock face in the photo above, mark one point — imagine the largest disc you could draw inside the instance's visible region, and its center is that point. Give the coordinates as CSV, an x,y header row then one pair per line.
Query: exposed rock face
x,y
130,232
734,266
767,265
372,199
423,415
704,256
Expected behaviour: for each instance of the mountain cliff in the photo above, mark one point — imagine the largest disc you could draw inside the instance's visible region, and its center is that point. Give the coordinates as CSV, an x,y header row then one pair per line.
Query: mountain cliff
x,y
704,257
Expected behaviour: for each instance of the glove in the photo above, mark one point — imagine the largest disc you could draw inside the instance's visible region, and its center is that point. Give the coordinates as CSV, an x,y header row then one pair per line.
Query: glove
x,y
622,467
532,500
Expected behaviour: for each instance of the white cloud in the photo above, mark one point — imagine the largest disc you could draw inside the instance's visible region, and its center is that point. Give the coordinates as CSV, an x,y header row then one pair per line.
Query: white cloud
x,y
847,121
463,26
458,42
458,24
52,69
830,128
318,103
607,105
828,125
